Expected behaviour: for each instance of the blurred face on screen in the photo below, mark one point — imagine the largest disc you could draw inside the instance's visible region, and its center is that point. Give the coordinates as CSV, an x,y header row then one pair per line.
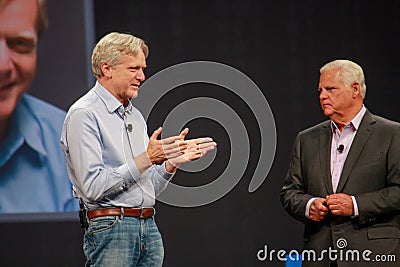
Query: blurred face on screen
x,y
18,51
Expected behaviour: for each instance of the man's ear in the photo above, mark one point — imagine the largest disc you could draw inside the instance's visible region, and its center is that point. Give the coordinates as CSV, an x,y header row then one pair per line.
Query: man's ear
x,y
106,69
356,89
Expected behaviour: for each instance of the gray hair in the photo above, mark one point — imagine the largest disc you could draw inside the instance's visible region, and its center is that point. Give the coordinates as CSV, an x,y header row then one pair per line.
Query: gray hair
x,y
348,73
109,48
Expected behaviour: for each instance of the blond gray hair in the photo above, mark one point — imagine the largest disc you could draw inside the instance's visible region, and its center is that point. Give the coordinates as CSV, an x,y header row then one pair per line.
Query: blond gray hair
x,y
348,73
111,46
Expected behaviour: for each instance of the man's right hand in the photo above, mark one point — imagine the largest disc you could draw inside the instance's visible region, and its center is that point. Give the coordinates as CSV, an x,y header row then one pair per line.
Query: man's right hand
x,y
318,209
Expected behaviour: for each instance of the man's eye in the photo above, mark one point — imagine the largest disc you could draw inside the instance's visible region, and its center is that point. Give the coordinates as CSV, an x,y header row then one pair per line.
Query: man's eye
x,y
135,69
21,45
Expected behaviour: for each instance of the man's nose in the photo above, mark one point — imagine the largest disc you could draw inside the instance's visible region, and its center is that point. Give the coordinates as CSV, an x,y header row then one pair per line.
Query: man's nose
x,y
140,76
322,94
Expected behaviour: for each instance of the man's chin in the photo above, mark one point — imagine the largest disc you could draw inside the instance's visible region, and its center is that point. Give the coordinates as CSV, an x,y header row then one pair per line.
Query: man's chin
x,y
134,94
328,112
7,108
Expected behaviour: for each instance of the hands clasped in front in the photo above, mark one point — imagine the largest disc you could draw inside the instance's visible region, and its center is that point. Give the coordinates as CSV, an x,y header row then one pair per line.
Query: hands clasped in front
x,y
176,150
337,204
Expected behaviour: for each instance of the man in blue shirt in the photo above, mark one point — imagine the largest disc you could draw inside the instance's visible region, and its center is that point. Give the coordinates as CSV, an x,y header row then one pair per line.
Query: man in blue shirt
x,y
116,169
33,175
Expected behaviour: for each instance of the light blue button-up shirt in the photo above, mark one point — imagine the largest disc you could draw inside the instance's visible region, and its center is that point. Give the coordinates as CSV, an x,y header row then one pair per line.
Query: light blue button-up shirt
x,y
33,173
100,139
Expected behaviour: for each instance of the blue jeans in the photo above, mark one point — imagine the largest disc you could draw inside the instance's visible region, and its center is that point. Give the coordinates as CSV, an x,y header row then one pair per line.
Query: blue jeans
x,y
123,242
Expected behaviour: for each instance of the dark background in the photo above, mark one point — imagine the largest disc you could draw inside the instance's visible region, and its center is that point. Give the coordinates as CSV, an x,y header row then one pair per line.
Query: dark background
x,y
280,45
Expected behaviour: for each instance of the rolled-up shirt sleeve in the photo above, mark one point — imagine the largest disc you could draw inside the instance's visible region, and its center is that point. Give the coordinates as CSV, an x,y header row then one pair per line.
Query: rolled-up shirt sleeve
x,y
161,178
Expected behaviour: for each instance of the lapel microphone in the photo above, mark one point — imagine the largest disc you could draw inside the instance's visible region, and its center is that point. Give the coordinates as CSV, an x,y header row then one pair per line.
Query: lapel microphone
x,y
129,127
340,148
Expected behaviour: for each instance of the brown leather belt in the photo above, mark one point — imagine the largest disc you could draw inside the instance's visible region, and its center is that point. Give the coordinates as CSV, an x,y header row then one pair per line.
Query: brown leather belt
x,y
128,212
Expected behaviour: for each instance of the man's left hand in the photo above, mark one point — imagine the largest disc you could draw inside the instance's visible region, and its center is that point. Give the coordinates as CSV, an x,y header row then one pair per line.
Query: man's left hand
x,y
193,149
196,148
340,204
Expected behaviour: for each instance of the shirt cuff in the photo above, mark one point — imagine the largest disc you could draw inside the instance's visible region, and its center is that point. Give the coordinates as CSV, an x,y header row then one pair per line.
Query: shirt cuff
x,y
307,213
355,206
129,171
162,171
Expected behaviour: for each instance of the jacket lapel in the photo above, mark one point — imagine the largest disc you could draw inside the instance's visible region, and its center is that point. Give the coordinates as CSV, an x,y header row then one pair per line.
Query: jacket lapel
x,y
363,133
325,140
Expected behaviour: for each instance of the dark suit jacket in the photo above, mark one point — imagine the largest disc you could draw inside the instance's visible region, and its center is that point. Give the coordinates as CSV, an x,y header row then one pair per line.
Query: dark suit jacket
x,y
371,174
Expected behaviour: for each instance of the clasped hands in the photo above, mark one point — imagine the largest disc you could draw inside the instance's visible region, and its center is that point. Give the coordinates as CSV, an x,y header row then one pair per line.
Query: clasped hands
x,y
176,150
337,204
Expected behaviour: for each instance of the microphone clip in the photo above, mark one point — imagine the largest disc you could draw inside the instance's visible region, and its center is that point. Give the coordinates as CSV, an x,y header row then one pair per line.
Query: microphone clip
x,y
340,148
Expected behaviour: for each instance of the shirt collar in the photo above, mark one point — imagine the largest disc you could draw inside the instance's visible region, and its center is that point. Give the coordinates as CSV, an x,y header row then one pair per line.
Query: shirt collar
x,y
357,119
111,102
355,122
27,126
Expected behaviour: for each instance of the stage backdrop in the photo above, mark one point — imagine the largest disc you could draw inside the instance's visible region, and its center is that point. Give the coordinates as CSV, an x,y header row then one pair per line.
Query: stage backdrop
x,y
280,46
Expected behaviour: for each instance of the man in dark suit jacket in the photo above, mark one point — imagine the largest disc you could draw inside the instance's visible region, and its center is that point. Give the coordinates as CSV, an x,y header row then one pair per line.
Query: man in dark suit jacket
x,y
343,182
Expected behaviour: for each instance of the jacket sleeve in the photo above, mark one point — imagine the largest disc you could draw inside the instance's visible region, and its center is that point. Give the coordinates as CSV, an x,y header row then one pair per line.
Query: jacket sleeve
x,y
294,196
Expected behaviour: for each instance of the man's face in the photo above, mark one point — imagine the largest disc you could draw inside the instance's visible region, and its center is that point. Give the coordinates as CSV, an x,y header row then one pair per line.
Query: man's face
x,y
127,76
335,97
18,51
